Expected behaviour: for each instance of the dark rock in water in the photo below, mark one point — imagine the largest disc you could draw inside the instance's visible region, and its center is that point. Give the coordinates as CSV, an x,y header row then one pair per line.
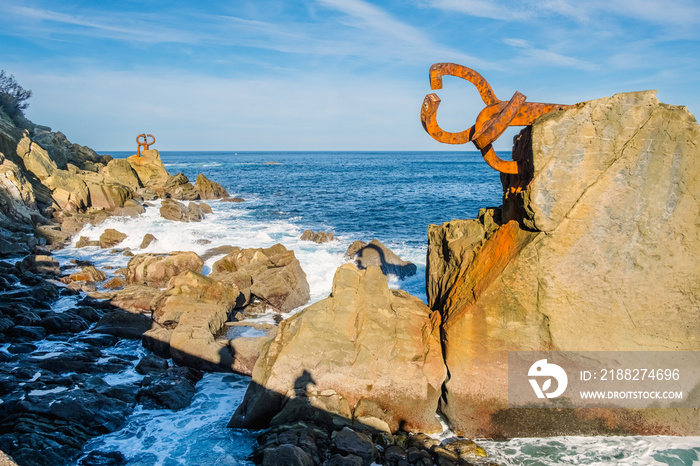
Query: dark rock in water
x,y
99,340
21,348
347,441
152,363
65,322
88,313
233,199
286,455
40,264
123,324
340,460
26,333
171,389
78,360
375,253
26,317
5,323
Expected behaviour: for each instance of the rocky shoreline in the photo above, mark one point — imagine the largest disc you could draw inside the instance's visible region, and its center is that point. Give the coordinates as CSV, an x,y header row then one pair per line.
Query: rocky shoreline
x,y
63,327
577,258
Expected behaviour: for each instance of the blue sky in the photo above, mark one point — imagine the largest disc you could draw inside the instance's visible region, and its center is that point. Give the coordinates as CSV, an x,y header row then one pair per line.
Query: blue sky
x,y
328,74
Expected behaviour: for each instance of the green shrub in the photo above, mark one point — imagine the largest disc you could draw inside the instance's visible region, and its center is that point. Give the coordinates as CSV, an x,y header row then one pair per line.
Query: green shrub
x,y
13,97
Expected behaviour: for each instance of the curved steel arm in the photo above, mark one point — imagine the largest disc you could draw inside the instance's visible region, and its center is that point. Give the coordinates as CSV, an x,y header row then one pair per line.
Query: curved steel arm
x,y
491,122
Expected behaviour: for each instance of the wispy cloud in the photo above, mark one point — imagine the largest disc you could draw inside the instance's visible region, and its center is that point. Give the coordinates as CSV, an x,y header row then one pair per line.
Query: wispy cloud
x,y
548,57
113,26
666,13
483,8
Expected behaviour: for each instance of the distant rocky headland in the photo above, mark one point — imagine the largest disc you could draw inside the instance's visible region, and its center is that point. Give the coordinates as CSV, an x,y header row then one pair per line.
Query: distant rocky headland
x,y
596,247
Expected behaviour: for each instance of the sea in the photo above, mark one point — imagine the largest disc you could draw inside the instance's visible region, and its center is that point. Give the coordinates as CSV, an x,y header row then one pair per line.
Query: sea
x,y
388,196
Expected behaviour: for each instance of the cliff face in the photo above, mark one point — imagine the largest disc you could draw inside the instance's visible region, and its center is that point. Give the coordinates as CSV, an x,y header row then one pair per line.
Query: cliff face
x,y
596,247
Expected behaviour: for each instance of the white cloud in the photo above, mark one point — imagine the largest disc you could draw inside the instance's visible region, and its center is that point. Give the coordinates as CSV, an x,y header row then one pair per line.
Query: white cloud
x,y
547,57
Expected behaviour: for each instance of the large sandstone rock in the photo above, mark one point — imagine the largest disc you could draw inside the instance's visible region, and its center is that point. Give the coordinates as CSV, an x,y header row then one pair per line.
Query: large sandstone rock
x,y
597,249
156,269
366,354
36,158
68,190
277,276
196,308
18,208
149,168
179,212
179,187
111,238
208,189
120,171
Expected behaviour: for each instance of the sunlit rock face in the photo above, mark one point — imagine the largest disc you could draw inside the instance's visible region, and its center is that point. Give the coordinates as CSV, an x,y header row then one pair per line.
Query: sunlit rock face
x,y
596,247
366,355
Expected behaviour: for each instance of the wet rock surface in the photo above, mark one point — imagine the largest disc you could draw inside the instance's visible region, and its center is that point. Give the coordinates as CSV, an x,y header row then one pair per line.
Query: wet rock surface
x,y
303,443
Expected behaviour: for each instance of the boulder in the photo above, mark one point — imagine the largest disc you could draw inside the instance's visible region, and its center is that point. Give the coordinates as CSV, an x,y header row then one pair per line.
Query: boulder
x,y
177,211
123,324
84,241
208,189
69,190
40,264
36,158
233,199
147,240
88,274
135,298
52,234
317,237
378,255
107,196
277,277
194,212
120,171
196,308
115,283
192,291
156,269
131,208
596,250
341,359
179,187
18,203
111,238
149,169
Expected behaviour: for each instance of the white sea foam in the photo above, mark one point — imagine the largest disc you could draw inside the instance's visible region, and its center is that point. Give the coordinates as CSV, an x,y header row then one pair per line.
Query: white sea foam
x,y
47,392
595,451
190,436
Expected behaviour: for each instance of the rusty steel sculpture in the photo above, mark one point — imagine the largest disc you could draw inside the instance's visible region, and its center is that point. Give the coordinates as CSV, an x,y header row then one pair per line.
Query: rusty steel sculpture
x,y
145,144
491,122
